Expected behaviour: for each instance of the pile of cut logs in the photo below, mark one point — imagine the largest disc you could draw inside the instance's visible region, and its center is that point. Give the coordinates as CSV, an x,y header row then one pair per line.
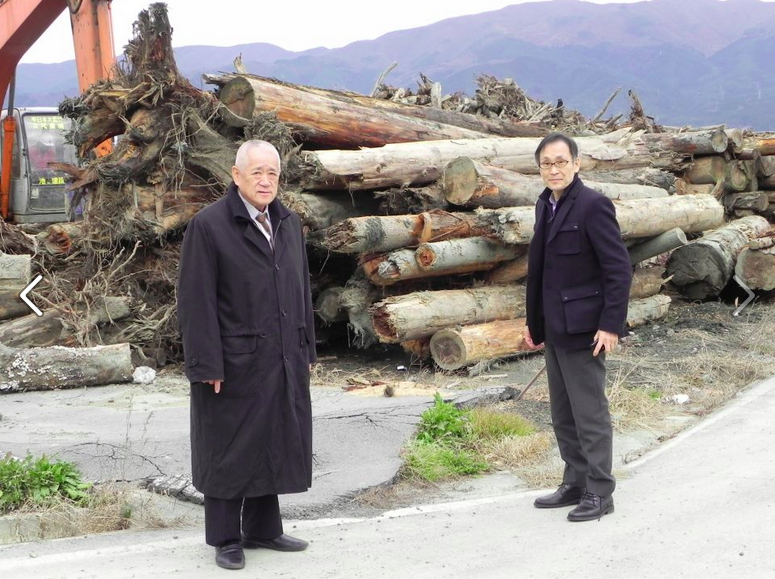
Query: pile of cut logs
x,y
418,217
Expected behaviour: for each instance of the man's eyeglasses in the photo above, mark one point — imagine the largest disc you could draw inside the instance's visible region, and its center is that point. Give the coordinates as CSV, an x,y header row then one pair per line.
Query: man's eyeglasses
x,y
545,165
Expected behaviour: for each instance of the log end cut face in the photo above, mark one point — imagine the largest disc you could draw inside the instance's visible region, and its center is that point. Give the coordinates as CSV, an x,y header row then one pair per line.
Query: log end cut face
x,y
239,97
460,181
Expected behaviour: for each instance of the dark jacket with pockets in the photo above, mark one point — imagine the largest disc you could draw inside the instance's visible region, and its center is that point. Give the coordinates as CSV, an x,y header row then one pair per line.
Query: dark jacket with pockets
x,y
579,271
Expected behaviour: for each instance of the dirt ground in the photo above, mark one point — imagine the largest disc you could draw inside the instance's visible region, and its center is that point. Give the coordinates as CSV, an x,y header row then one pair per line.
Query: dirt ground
x,y
666,376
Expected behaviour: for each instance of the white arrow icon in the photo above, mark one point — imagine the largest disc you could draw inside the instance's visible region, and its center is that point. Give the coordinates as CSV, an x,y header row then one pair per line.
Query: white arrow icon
x,y
751,295
27,290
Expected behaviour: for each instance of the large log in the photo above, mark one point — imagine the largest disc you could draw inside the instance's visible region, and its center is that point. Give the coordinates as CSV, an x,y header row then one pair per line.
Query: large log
x,y
706,170
662,243
765,166
705,142
646,310
408,164
509,272
322,211
15,274
441,258
401,201
494,126
416,315
684,187
49,329
472,184
453,348
53,368
736,175
756,268
322,120
755,200
640,176
702,268
753,146
637,218
463,253
385,233
646,282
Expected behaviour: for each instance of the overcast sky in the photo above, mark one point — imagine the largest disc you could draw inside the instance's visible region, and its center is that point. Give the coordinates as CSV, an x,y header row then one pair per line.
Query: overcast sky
x,y
290,24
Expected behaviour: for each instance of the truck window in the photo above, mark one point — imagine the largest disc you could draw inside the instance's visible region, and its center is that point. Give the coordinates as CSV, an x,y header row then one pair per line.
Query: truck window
x,y
46,144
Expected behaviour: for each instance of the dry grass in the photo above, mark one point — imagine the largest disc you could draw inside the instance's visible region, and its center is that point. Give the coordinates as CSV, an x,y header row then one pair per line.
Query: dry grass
x,y
111,507
517,452
710,368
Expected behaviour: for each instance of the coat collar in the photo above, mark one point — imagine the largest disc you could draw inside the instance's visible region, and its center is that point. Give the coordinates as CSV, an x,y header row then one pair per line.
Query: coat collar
x,y
568,199
277,212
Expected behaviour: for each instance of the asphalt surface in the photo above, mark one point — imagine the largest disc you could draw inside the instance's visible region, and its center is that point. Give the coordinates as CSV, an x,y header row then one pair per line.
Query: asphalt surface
x,y
133,432
697,507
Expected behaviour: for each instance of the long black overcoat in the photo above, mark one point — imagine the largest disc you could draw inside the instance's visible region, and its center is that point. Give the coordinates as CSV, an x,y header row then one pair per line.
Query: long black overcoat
x,y
579,271
245,316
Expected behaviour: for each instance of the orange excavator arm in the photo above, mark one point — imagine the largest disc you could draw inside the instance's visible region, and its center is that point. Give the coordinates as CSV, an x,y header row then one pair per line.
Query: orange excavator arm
x,y
22,22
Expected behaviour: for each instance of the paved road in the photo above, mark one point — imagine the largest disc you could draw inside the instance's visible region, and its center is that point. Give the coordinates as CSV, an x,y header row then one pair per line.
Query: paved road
x,y
130,432
700,506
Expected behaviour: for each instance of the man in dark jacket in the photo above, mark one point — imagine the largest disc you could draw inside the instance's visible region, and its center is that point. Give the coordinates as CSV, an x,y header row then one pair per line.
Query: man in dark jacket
x,y
245,314
578,284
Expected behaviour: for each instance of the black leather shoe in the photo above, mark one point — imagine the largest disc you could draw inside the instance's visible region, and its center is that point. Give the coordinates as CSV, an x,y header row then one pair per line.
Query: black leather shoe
x,y
230,556
281,543
565,496
592,507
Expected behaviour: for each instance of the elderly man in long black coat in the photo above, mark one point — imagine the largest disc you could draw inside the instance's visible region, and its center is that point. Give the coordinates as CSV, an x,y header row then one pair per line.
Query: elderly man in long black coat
x,y
245,314
578,284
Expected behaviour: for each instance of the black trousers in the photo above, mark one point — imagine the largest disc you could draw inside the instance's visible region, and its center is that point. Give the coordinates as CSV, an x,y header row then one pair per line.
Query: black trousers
x,y
580,416
227,519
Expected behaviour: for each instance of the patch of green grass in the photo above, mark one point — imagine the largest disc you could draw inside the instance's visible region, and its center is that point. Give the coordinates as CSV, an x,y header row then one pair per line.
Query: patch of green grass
x,y
434,461
451,443
442,422
486,424
38,482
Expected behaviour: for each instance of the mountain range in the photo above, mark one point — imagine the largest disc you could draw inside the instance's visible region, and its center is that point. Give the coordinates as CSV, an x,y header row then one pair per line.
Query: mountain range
x,y
692,62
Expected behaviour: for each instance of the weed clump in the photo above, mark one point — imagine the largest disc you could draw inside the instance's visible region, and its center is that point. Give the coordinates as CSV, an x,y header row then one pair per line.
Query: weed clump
x,y
38,482
451,442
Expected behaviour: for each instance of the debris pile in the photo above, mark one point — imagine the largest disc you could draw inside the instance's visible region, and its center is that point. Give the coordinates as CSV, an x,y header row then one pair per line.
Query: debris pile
x,y
419,207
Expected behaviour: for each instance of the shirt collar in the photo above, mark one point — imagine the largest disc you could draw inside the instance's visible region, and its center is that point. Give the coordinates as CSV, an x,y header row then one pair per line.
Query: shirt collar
x,y
252,211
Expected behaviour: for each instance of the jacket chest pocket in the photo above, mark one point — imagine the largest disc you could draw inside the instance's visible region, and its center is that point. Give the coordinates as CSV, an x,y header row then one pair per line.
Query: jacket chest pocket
x,y
568,239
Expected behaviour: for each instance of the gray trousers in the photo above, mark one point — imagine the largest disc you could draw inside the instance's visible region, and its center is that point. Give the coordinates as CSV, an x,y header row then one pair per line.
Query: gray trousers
x,y
582,423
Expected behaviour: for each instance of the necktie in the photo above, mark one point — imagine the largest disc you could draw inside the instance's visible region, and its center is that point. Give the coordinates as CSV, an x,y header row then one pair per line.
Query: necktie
x,y
261,218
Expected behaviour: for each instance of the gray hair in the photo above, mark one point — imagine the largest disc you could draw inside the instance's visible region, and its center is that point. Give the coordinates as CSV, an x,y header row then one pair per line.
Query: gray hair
x,y
244,150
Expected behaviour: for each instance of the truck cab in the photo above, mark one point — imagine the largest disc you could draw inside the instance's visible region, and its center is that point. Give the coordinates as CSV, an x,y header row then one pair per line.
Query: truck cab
x,y
37,191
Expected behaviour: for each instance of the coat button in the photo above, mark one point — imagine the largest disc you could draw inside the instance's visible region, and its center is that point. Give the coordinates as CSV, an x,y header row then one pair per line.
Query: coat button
x,y
286,359
194,362
285,313
277,267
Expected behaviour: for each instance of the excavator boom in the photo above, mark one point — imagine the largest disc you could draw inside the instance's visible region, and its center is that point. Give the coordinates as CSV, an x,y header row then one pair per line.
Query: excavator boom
x,y
22,22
